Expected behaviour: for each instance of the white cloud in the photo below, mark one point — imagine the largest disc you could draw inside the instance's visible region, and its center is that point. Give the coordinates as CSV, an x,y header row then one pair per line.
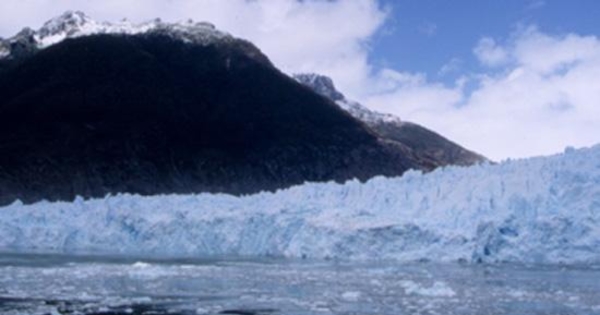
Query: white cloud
x,y
489,53
451,66
537,95
547,100
412,95
544,97
545,54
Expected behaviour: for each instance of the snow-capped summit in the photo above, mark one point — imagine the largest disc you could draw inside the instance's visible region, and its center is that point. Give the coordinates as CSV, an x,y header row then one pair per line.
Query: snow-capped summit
x,y
67,25
21,44
320,84
324,86
72,24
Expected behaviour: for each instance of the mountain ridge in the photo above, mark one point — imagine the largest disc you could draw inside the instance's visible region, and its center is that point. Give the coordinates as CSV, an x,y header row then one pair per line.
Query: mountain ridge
x,y
152,114
427,145
74,24
170,110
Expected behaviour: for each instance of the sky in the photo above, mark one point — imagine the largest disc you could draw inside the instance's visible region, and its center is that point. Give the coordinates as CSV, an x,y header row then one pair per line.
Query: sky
x,y
508,79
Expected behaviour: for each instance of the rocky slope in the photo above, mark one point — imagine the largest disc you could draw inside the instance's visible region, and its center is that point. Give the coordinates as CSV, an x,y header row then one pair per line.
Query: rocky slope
x,y
429,147
92,108
172,109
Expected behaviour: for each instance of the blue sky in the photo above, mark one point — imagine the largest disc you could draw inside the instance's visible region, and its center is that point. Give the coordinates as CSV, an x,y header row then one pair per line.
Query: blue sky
x,y
506,78
426,35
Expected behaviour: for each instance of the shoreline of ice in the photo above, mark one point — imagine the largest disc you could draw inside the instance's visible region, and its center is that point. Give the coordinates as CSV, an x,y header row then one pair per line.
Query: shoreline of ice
x,y
541,210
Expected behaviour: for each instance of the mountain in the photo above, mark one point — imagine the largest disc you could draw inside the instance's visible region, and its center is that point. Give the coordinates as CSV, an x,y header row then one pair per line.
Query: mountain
x,y
167,108
429,147
75,24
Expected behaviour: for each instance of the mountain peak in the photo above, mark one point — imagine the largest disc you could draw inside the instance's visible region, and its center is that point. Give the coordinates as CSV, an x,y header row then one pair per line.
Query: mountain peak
x,y
68,18
72,24
324,85
69,23
321,84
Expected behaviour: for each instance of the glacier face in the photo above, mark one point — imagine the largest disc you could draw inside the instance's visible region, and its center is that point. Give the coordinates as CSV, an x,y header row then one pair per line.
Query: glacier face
x,y
539,210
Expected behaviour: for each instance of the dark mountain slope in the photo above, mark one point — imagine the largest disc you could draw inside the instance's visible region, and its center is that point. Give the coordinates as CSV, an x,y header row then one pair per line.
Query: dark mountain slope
x,y
151,114
428,147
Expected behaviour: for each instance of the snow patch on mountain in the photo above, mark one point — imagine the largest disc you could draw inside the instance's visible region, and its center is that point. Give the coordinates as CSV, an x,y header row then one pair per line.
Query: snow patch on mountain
x,y
74,24
320,84
362,113
4,49
324,86
539,210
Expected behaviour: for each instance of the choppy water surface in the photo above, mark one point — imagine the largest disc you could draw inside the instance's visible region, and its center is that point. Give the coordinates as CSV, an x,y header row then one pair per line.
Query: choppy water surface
x,y
56,284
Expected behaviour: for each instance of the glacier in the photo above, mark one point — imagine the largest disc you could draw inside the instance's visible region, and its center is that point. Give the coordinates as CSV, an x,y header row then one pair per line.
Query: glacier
x,y
543,210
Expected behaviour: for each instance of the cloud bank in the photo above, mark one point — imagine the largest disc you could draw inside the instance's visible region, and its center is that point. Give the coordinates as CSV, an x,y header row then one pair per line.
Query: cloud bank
x,y
535,92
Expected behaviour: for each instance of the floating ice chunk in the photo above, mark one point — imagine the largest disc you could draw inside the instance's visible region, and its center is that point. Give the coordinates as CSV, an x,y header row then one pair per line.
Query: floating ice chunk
x,y
438,289
140,265
352,296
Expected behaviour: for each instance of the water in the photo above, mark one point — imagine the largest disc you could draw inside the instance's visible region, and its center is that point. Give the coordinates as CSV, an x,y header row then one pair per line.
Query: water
x,y
60,284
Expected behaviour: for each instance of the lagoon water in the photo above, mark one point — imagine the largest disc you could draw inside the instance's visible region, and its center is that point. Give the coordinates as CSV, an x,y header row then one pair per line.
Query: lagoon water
x,y
64,284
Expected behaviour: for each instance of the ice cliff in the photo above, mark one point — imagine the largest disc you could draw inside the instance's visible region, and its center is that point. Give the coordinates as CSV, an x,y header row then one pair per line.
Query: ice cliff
x,y
539,210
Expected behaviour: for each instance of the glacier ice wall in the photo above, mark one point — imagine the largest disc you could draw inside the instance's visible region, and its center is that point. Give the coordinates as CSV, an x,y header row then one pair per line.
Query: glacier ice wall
x,y
539,210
